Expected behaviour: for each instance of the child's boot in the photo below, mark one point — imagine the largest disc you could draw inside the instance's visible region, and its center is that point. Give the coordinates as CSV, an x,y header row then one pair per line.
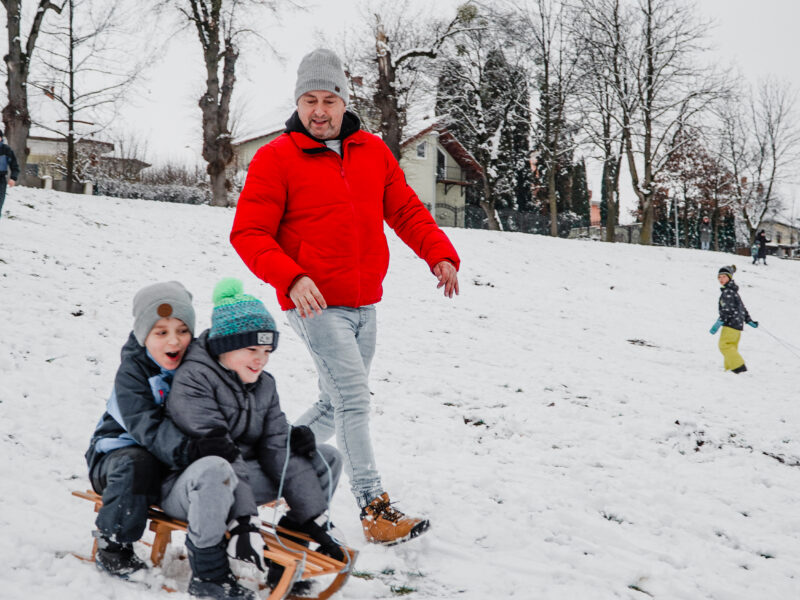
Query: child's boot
x,y
211,574
116,559
386,525
317,532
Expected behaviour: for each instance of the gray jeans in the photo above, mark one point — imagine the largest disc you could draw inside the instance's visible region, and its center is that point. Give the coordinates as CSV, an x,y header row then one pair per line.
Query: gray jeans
x,y
342,343
203,493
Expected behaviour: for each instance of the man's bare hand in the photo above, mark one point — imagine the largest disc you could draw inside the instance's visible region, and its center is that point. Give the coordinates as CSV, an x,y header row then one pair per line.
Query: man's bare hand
x,y
447,275
307,298
11,183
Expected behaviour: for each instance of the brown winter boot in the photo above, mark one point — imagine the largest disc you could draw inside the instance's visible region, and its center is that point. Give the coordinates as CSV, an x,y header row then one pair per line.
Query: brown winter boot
x,y
388,526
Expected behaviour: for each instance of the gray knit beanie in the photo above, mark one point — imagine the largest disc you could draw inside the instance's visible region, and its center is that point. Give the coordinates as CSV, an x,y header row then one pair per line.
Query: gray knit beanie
x,y
321,69
159,300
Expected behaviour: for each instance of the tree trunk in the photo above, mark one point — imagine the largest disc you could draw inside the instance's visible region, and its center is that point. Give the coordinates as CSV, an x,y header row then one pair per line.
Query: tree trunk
x,y
685,221
215,104
386,96
71,103
646,236
16,116
552,199
611,203
487,204
648,216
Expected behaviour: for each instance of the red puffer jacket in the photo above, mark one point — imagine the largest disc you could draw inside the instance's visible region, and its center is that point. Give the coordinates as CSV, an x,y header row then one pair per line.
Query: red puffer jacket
x,y
304,210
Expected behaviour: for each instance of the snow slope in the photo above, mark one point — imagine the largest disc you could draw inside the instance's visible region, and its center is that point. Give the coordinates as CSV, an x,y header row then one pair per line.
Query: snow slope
x,y
565,422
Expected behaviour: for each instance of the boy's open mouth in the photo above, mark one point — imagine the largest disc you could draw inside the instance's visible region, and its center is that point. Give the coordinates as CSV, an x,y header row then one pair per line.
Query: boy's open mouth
x,y
173,355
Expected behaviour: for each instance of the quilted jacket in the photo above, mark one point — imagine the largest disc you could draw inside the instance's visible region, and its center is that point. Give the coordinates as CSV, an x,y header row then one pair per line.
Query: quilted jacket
x,y
305,210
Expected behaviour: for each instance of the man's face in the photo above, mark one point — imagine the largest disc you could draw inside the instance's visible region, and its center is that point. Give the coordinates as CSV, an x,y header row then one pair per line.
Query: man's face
x,y
321,113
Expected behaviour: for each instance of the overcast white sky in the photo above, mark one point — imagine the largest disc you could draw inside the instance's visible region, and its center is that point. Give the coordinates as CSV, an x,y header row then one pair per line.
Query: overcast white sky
x,y
760,37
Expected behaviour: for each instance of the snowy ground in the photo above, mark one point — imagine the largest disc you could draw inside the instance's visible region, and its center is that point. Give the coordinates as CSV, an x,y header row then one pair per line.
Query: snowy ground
x,y
565,422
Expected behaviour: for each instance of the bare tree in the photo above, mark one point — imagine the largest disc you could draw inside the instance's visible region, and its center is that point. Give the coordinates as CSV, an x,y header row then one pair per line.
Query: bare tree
x,y
220,24
394,69
599,28
761,142
16,114
557,77
671,91
86,72
658,83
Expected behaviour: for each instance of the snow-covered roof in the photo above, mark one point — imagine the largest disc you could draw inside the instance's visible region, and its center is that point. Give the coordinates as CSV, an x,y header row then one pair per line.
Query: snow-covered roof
x,y
259,133
448,141
778,220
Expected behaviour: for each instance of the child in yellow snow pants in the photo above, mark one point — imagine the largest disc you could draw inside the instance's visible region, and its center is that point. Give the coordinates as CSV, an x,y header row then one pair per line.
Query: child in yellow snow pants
x,y
732,318
729,346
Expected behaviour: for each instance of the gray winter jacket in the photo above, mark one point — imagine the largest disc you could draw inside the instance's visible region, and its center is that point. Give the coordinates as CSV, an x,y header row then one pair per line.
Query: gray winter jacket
x,y
205,396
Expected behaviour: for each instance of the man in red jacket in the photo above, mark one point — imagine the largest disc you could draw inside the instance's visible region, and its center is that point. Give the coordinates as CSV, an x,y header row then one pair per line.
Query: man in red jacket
x,y
310,223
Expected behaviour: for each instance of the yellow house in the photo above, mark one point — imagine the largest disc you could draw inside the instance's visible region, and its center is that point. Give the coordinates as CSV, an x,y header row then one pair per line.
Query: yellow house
x,y
437,167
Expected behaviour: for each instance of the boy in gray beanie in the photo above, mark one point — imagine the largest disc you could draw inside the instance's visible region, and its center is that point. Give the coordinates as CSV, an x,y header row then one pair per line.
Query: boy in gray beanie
x,y
133,440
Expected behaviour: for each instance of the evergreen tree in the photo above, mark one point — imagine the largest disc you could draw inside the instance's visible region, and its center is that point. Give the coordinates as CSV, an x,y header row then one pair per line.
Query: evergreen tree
x,y
483,100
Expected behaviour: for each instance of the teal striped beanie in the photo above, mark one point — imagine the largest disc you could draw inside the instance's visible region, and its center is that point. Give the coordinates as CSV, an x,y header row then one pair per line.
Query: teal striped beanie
x,y
239,320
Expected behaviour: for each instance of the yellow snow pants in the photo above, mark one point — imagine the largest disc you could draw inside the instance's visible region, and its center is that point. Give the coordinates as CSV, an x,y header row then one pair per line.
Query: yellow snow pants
x,y
729,346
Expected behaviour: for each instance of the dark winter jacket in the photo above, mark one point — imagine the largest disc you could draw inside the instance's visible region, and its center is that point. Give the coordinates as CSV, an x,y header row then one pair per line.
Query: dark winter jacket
x,y
762,241
205,396
732,312
135,412
705,232
305,210
12,168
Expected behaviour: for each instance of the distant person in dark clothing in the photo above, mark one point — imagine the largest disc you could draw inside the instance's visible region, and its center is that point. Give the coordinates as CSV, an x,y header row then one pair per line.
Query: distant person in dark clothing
x,y
762,241
8,162
705,234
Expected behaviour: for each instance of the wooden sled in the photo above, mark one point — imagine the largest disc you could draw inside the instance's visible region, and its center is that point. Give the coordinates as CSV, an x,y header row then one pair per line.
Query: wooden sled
x,y
298,561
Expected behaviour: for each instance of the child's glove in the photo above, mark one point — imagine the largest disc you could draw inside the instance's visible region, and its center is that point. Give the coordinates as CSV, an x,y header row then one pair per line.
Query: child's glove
x,y
302,441
246,542
715,327
753,324
216,443
318,533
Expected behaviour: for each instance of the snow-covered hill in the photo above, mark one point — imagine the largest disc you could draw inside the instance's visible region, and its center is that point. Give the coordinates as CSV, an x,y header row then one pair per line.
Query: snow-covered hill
x,y
565,422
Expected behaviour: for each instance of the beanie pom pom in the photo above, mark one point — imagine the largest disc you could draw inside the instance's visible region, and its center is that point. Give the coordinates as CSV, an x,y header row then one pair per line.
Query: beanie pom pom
x,y
227,288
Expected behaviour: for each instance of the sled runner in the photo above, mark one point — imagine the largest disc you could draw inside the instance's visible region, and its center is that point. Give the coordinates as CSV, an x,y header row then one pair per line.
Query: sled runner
x,y
298,561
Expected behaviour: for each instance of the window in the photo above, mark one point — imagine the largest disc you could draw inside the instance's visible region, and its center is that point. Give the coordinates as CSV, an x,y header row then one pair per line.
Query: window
x,y
422,150
778,237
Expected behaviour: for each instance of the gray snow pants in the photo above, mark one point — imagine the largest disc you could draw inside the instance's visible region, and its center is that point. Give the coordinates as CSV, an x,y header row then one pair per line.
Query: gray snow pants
x,y
203,493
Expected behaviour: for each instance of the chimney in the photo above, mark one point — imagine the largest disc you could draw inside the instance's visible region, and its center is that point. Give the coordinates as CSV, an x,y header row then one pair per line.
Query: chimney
x,y
594,213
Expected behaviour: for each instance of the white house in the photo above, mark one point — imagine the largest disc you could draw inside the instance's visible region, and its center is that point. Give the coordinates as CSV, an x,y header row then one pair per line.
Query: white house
x,y
432,159
784,237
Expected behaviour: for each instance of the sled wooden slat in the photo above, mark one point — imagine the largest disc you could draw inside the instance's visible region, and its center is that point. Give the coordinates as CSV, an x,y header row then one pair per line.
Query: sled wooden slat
x,y
298,561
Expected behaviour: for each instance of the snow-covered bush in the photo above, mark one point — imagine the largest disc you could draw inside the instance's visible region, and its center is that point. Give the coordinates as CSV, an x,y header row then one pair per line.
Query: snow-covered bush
x,y
181,194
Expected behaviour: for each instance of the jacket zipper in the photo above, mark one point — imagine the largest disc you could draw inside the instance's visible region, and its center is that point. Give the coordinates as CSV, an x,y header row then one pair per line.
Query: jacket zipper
x,y
353,209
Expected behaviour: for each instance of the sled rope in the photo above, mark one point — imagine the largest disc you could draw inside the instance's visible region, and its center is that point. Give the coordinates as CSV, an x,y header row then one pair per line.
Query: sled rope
x,y
786,345
330,498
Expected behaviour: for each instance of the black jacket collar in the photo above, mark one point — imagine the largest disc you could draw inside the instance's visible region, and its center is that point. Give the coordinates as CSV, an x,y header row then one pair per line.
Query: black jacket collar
x,y
350,124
